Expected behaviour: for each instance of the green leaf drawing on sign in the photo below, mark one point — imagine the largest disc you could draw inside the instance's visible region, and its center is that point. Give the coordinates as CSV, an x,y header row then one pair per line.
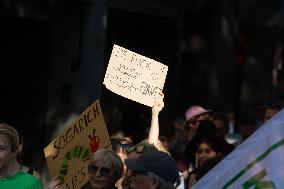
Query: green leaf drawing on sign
x,y
257,183
253,163
76,152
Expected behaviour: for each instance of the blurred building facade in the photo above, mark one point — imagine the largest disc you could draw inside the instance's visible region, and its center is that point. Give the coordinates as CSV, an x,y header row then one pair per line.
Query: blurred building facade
x,y
224,55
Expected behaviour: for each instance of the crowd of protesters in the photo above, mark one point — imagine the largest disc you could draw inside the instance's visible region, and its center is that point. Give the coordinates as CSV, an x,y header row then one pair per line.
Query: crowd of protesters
x,y
176,153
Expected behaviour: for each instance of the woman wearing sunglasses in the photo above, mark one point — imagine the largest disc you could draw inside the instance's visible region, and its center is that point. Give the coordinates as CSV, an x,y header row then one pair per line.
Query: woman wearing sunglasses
x,y
105,169
121,147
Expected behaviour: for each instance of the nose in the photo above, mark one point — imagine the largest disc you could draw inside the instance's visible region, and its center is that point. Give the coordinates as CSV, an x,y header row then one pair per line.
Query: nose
x,y
97,174
202,155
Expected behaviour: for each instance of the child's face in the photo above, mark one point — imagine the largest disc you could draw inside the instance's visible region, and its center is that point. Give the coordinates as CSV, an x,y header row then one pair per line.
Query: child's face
x,y
205,153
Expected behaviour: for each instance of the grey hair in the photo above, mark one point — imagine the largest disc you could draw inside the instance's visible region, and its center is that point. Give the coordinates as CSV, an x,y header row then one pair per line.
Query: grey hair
x,y
12,136
105,155
162,183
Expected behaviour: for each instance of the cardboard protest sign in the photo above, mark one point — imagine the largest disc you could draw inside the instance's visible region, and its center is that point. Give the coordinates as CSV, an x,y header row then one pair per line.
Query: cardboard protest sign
x,y
257,163
134,76
68,155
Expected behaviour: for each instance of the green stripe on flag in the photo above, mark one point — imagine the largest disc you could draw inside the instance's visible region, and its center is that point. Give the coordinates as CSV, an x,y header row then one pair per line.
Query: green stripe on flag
x,y
253,163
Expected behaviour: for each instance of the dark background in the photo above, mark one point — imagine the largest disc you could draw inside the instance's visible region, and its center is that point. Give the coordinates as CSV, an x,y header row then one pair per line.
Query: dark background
x,y
54,53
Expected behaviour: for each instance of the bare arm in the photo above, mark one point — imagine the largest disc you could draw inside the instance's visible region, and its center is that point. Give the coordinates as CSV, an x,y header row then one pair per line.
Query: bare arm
x,y
153,136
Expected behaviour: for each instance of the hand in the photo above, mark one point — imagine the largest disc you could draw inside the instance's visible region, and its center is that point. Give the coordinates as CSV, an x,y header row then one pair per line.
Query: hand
x,y
56,183
158,104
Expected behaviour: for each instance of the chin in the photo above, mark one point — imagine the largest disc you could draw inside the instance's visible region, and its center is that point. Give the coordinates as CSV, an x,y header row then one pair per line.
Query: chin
x,y
98,185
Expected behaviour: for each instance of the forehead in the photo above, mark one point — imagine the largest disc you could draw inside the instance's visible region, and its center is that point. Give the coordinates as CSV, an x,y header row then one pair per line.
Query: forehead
x,y
271,111
4,140
102,163
200,117
204,146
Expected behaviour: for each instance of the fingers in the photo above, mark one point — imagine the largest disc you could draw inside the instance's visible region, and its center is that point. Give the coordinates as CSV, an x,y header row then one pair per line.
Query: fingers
x,y
160,98
159,103
56,183
161,94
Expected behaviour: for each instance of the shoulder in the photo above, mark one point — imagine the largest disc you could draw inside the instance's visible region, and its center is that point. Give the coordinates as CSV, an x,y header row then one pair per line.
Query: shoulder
x,y
28,179
31,172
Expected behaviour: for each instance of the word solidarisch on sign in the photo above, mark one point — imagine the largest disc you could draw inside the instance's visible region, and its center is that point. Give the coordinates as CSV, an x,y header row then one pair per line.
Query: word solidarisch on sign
x,y
134,76
68,155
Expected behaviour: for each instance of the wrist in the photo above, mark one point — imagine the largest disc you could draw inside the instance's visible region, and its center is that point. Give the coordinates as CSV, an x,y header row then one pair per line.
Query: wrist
x,y
154,113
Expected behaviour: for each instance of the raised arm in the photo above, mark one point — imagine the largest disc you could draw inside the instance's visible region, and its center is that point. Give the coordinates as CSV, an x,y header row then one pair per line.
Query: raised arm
x,y
153,136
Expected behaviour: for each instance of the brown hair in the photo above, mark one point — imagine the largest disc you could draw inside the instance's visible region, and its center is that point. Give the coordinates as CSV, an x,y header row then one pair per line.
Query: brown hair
x,y
12,136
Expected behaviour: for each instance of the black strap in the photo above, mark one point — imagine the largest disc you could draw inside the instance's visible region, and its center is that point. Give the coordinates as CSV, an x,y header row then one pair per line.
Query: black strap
x,y
30,171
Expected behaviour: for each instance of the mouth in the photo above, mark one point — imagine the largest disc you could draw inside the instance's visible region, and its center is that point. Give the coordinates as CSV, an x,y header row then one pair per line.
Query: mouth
x,y
95,184
202,160
97,180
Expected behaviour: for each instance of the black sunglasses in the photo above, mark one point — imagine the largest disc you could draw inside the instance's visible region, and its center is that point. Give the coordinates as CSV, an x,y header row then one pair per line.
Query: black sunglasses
x,y
126,147
116,144
92,169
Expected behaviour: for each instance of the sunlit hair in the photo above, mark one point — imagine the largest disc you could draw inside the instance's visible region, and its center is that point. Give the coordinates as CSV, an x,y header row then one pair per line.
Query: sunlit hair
x,y
12,136
105,155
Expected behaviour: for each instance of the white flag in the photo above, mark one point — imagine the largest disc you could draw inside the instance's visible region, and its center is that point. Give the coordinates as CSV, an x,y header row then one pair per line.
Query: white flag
x,y
257,163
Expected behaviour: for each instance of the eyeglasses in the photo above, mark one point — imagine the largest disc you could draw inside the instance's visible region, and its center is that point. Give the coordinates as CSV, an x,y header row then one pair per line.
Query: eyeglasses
x,y
126,147
139,149
116,144
92,169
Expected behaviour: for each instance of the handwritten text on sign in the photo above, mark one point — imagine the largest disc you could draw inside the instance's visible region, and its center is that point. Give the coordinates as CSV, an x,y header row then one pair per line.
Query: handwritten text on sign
x,y
68,155
135,76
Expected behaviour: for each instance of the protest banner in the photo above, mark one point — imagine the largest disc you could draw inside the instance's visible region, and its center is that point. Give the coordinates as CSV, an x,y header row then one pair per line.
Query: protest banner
x,y
68,155
257,163
134,76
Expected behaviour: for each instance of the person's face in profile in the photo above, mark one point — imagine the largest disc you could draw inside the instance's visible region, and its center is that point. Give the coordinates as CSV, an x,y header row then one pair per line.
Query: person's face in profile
x,y
165,141
179,130
6,155
270,112
194,122
221,127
